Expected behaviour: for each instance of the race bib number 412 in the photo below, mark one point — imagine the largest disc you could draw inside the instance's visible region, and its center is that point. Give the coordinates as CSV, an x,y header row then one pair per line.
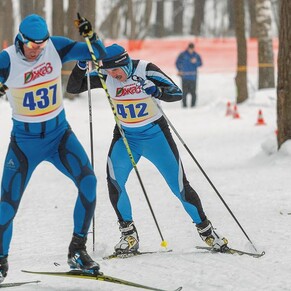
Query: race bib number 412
x,y
135,111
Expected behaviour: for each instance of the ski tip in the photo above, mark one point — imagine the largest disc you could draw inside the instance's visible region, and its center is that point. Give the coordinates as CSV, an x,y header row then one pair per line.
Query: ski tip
x,y
178,289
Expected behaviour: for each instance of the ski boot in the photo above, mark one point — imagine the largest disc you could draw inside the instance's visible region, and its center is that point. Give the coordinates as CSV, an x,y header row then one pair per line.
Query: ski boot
x,y
129,242
3,268
78,257
211,237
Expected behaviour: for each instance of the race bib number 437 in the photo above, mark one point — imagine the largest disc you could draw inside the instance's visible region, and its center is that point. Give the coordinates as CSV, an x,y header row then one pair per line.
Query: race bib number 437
x,y
37,100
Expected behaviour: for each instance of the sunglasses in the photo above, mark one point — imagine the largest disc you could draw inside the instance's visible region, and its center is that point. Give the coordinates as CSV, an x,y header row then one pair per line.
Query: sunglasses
x,y
31,44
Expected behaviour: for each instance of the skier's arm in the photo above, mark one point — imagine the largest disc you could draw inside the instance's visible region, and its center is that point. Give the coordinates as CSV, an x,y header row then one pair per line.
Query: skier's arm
x,y
70,50
4,71
77,82
169,91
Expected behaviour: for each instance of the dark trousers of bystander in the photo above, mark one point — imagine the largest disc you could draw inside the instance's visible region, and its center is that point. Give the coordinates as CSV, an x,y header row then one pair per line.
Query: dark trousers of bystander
x,y
189,87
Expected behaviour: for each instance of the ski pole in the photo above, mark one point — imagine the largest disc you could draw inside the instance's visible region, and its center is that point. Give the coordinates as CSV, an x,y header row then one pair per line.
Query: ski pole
x,y
91,138
125,141
203,172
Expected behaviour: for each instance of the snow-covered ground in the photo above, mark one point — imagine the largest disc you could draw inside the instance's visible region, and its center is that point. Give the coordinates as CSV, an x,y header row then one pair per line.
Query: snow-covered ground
x,y
239,157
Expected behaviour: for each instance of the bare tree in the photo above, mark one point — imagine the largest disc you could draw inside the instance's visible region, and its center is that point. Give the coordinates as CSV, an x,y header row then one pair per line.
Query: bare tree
x,y
110,27
72,32
87,8
265,44
253,23
178,12
32,6
160,25
284,69
230,12
198,18
39,7
26,7
241,75
6,23
58,13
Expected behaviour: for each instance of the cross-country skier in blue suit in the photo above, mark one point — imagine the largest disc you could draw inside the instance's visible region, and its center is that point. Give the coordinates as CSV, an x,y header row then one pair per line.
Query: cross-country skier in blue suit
x,y
30,71
132,84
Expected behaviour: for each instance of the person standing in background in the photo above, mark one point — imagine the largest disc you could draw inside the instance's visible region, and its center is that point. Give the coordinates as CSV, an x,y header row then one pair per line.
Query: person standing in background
x,y
187,64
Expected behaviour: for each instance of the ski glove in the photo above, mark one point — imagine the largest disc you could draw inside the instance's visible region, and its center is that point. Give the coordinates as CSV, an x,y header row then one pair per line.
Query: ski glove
x,y
150,88
85,27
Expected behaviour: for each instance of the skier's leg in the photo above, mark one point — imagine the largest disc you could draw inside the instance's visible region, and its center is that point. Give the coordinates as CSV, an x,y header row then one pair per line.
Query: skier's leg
x,y
170,166
72,160
16,174
118,169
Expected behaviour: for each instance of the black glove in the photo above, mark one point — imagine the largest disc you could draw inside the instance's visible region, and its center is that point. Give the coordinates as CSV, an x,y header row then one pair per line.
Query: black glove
x,y
2,90
84,26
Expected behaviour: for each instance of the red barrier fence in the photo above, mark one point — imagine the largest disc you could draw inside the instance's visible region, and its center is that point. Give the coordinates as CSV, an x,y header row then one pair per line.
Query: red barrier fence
x,y
218,55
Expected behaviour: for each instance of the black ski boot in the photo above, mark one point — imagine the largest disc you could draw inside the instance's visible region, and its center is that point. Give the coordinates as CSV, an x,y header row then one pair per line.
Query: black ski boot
x,y
3,268
78,257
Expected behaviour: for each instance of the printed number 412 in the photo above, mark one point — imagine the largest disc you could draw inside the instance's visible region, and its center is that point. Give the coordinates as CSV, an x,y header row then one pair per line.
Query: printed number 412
x,y
134,110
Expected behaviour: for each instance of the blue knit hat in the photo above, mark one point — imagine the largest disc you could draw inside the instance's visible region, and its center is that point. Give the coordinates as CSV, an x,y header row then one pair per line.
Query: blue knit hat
x,y
116,56
34,28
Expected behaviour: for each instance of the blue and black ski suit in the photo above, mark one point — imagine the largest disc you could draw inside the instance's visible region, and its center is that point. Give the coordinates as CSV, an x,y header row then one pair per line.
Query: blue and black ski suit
x,y
40,130
147,133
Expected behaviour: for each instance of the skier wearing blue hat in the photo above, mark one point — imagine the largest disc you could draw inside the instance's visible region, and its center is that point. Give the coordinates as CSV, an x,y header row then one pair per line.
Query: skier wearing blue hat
x,y
30,75
131,85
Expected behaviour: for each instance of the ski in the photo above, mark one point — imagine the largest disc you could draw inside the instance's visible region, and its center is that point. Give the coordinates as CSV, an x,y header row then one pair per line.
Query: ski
x,y
133,254
231,251
100,277
15,284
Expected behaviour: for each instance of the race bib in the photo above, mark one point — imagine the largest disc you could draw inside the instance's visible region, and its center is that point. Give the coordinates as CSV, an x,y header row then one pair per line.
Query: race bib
x,y
135,111
39,99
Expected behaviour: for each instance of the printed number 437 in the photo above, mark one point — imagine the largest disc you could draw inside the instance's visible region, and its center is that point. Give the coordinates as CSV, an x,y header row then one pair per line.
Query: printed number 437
x,y
43,96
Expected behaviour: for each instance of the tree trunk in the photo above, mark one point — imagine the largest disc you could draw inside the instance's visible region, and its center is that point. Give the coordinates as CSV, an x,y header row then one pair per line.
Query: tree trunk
x,y
241,76
6,24
131,20
58,13
160,26
230,10
265,44
284,75
198,18
72,32
87,9
178,11
253,22
26,7
39,6
110,27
